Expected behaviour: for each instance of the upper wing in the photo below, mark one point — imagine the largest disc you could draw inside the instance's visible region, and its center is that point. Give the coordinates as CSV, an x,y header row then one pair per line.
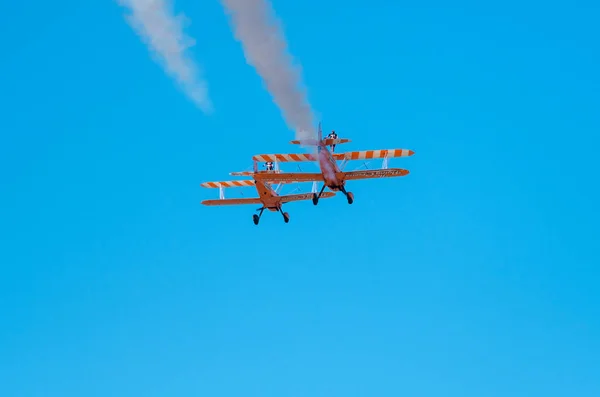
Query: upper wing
x,y
291,177
241,183
284,158
371,174
303,196
373,154
232,201
359,155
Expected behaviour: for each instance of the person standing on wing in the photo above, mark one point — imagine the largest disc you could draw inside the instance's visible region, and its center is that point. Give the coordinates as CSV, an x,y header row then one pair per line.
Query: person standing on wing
x,y
332,135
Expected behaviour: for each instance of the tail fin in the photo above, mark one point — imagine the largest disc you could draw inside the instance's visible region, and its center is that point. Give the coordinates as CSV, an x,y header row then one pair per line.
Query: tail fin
x,y
320,136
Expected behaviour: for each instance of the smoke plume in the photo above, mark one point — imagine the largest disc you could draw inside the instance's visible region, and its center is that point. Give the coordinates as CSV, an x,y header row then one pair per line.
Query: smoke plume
x,y
162,31
257,28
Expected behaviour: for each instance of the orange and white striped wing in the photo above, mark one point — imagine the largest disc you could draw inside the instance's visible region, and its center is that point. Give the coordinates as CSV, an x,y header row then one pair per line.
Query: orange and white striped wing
x,y
232,201
373,154
228,184
284,158
373,174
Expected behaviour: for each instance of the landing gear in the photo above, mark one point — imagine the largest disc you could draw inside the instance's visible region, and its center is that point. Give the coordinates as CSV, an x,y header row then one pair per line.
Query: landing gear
x,y
286,216
256,218
316,197
349,195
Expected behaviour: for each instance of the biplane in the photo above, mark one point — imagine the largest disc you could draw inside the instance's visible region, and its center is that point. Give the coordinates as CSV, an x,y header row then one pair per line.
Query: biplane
x,y
268,198
332,175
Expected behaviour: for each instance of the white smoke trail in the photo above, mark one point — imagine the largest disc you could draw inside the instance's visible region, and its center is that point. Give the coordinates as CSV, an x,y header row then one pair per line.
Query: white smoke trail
x,y
257,28
162,31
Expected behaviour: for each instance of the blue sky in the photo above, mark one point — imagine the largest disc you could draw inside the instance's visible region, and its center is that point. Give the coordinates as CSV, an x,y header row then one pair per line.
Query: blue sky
x,y
476,275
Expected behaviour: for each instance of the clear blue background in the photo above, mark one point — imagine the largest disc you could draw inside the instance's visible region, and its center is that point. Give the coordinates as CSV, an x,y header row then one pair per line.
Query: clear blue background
x,y
476,275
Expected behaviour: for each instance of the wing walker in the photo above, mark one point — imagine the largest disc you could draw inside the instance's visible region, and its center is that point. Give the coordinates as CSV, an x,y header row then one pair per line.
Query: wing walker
x,y
331,175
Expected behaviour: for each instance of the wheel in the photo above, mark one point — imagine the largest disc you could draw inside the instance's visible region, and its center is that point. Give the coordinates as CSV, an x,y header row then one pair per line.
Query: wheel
x,y
315,199
350,198
286,217
255,218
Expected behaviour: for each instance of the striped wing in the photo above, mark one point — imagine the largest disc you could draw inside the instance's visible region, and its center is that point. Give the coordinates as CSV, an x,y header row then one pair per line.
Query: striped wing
x,y
227,184
291,177
359,155
372,174
373,154
284,158
233,201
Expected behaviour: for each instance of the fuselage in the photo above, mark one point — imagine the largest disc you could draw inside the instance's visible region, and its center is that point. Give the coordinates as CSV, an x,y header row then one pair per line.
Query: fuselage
x,y
267,195
329,168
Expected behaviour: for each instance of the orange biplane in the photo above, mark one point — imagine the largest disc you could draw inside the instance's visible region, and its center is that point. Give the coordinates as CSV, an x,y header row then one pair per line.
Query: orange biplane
x,y
267,196
331,174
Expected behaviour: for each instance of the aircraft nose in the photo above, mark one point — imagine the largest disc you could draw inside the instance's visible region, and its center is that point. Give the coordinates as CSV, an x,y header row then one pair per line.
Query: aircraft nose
x,y
411,152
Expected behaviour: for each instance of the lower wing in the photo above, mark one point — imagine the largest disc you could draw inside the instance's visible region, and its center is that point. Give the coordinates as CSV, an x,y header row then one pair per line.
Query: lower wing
x,y
290,177
303,196
233,201
372,174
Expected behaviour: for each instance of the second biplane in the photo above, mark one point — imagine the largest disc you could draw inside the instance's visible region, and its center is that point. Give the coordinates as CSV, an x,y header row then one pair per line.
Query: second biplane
x,y
268,198
332,175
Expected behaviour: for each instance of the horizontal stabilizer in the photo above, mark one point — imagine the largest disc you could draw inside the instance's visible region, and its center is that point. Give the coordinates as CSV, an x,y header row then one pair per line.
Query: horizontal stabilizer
x,y
232,201
252,173
326,142
338,141
372,174
305,142
227,184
